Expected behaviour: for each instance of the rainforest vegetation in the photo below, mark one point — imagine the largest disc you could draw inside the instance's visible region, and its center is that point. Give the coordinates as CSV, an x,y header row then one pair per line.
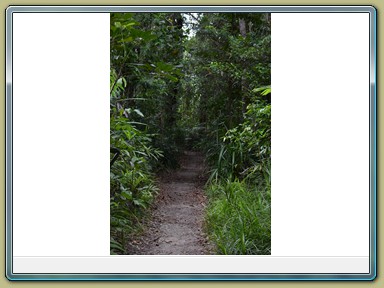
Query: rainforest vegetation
x,y
196,82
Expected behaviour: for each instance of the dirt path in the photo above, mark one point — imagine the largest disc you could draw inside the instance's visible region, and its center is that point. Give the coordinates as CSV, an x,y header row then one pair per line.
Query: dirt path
x,y
177,221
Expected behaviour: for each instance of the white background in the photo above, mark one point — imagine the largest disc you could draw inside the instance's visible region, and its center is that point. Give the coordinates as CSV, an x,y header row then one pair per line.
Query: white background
x,y
320,135
60,134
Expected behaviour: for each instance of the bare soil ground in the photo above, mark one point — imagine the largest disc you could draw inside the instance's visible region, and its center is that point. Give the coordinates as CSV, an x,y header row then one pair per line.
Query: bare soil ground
x,y
176,226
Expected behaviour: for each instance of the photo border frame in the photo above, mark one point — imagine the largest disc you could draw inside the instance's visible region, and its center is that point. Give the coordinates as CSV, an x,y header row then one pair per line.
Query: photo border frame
x,y
190,8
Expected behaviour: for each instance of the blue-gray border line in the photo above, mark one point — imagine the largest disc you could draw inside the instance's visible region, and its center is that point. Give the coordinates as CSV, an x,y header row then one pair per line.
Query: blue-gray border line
x,y
187,8
190,8
8,144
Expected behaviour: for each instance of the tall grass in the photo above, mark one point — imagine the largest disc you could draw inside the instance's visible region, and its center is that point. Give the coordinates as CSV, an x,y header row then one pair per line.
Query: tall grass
x,y
239,218
239,189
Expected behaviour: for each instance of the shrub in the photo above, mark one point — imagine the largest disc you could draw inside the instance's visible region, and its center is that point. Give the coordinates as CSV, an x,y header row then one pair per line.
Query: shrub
x,y
132,185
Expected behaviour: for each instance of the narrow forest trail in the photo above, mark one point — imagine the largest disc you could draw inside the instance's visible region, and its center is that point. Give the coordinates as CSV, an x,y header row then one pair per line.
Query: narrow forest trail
x,y
176,227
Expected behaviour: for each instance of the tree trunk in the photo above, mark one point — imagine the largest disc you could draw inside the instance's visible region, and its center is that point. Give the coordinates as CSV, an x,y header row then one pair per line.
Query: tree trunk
x,y
244,84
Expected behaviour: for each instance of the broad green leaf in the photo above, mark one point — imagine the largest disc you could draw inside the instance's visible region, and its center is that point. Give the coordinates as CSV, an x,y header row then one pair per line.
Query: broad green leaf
x,y
126,40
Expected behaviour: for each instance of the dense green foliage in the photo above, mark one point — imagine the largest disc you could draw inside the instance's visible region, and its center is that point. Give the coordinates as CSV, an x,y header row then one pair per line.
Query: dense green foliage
x,y
240,190
131,184
238,218
146,52
228,103
193,81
